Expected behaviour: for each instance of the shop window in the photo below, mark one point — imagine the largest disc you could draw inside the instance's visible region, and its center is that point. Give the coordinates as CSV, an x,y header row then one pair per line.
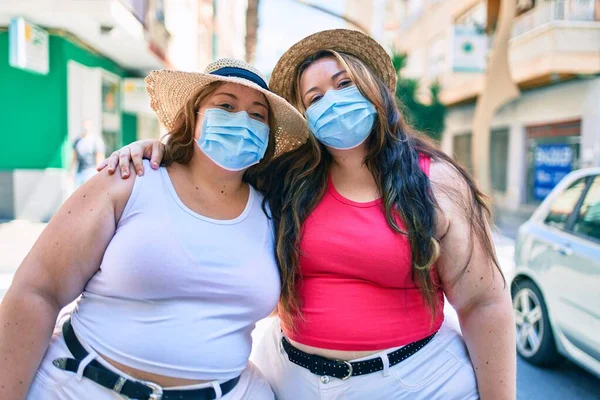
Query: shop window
x,y
499,159
588,217
553,152
462,150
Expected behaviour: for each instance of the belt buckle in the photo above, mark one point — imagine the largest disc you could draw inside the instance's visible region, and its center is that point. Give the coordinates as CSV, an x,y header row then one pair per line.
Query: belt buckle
x,y
350,369
157,390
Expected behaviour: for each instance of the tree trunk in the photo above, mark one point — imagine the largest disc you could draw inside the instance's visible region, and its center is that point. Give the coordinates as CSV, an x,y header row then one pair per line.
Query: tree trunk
x,y
499,88
251,30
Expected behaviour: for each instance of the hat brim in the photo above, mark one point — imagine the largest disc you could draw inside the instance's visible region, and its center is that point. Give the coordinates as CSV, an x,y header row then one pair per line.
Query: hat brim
x,y
348,41
170,90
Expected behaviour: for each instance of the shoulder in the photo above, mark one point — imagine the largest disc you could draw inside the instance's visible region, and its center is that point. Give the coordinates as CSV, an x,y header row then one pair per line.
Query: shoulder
x,y
118,185
112,187
260,203
451,192
259,198
443,174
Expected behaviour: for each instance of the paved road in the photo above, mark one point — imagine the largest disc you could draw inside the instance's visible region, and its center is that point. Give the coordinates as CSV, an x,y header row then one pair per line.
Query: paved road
x,y
568,382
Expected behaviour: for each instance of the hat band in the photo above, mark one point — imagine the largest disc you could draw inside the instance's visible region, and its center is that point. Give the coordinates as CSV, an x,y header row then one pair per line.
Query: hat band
x,y
241,73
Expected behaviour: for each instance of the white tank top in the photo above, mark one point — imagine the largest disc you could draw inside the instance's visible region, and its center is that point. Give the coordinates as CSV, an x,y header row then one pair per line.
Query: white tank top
x,y
177,293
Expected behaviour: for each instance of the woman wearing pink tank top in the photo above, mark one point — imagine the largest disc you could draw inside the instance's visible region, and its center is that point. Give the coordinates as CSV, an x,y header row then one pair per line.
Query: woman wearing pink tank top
x,y
375,228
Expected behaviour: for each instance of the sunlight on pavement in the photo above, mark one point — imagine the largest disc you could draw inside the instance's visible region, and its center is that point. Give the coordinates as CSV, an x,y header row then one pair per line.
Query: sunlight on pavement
x,y
16,239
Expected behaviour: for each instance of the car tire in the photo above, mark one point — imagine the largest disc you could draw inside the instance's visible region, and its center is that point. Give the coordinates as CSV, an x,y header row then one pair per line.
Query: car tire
x,y
531,325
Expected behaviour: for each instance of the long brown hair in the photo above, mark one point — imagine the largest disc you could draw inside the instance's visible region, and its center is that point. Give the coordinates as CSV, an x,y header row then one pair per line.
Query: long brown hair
x,y
296,182
180,144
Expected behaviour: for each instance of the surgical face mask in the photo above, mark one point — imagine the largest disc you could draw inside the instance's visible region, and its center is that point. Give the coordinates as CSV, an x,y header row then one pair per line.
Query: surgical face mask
x,y
341,119
233,141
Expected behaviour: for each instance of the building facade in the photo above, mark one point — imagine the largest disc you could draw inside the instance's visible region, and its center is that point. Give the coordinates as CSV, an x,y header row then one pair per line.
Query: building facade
x,y
554,53
76,60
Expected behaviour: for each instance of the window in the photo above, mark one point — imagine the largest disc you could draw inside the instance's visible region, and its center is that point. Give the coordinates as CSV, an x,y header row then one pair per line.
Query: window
x,y
462,150
499,158
588,218
564,204
499,141
548,135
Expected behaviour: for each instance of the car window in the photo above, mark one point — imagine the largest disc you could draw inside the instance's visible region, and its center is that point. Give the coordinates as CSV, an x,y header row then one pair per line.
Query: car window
x,y
562,207
588,217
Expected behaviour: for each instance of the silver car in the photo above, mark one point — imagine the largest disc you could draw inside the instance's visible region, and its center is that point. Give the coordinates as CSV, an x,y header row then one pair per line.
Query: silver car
x,y
556,286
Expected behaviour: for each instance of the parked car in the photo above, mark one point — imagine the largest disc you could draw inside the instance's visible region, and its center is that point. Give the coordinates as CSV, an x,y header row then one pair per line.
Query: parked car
x,y
556,286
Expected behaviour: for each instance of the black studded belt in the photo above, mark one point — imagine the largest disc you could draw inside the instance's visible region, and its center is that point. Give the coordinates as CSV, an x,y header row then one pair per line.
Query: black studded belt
x,y
140,390
345,369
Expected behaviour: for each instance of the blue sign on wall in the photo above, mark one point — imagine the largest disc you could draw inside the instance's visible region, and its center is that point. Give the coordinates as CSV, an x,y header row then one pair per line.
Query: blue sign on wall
x,y
550,164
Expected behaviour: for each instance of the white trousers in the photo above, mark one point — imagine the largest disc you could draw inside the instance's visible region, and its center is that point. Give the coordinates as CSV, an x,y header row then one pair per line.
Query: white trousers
x,y
51,383
440,370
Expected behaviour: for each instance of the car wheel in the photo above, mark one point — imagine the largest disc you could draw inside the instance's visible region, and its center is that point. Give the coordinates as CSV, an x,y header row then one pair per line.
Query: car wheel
x,y
535,339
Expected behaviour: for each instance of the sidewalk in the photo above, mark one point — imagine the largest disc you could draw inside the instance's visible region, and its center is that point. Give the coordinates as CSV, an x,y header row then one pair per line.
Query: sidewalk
x,y
16,239
509,221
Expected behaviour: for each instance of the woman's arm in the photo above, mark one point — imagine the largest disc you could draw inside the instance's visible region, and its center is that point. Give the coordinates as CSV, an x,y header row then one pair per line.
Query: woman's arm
x,y
475,286
54,273
148,148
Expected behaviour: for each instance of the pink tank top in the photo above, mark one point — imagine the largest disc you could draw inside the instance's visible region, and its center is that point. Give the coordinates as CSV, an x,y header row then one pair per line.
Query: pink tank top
x,y
357,291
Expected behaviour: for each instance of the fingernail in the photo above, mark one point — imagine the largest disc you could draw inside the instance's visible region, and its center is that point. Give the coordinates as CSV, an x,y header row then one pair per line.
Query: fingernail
x,y
140,173
155,164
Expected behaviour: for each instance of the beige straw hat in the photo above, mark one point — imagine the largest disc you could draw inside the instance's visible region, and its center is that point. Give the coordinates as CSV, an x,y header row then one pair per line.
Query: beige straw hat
x,y
347,41
170,90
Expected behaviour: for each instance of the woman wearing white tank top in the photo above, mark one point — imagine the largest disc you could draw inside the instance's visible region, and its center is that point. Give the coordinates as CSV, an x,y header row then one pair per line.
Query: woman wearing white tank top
x,y
171,270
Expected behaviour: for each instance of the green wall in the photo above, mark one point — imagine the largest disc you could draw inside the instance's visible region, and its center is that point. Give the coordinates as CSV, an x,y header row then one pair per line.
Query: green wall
x,y
129,128
33,111
33,108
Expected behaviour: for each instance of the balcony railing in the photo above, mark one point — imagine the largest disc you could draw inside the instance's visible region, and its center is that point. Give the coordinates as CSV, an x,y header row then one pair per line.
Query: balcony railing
x,y
555,10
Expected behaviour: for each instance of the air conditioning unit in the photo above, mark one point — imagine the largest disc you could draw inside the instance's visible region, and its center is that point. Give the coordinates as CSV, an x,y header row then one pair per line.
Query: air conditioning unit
x,y
524,5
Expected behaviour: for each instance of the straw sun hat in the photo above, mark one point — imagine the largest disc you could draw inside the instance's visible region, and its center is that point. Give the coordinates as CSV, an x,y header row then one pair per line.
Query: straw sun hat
x,y
352,42
170,90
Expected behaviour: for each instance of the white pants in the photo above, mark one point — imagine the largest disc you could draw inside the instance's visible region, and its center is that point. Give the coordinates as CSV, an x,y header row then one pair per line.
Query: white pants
x,y
440,370
51,383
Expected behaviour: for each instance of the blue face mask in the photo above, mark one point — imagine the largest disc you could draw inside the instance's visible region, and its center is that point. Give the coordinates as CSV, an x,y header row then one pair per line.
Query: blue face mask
x,y
233,141
341,119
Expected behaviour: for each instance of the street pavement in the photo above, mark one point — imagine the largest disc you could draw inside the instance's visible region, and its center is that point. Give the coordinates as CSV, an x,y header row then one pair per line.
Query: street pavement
x,y
16,239
566,382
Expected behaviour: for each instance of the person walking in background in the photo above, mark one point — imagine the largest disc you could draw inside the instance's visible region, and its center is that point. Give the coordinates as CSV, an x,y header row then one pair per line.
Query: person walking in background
x,y
88,151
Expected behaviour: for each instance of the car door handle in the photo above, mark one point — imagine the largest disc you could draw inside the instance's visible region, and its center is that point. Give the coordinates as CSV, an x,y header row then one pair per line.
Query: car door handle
x,y
565,250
